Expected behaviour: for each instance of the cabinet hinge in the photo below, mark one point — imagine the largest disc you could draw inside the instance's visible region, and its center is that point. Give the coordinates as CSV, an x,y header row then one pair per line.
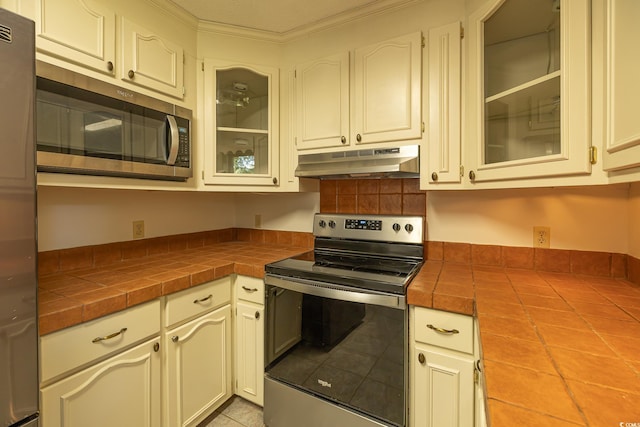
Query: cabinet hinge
x,y
422,127
203,175
295,74
475,376
461,32
423,42
461,171
295,141
202,66
593,154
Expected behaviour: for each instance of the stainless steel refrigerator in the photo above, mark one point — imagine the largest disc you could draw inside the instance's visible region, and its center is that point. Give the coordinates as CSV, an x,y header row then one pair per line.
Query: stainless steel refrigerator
x,y
18,277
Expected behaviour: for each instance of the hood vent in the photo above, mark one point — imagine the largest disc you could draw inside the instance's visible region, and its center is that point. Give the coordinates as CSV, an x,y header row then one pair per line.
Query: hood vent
x,y
400,162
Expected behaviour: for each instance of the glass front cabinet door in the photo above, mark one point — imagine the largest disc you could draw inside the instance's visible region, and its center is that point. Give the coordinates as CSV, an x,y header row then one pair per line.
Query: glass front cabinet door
x,y
529,88
241,124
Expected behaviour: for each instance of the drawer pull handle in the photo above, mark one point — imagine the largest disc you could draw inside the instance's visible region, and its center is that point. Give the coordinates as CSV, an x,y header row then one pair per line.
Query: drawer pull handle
x,y
249,289
207,298
108,337
443,331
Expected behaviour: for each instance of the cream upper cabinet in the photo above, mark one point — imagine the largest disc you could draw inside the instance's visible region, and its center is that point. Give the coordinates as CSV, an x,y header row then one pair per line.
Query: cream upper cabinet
x,y
83,32
78,31
382,95
241,121
151,61
322,90
388,90
622,140
529,90
444,74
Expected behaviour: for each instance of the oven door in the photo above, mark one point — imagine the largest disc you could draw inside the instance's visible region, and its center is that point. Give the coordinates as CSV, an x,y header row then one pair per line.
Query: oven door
x,y
335,346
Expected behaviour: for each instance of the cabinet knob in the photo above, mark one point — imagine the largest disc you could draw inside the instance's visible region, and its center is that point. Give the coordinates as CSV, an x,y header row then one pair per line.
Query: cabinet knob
x,y
175,338
275,180
156,347
358,137
257,315
110,66
434,176
131,74
472,175
343,139
421,358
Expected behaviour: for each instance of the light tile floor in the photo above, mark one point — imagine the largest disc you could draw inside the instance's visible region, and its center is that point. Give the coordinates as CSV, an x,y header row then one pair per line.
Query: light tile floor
x,y
236,412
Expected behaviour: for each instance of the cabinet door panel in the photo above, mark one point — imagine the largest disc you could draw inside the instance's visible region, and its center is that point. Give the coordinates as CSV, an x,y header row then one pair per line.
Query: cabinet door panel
x,y
444,104
443,389
198,367
387,90
250,352
79,31
323,102
150,61
121,391
623,136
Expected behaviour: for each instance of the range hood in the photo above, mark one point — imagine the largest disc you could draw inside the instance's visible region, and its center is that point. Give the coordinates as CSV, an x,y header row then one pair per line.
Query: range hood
x,y
400,162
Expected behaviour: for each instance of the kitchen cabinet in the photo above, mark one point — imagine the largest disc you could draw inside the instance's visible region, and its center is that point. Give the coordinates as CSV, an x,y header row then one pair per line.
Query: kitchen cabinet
x,y
383,95
241,116
112,376
441,378
89,42
529,90
444,71
249,339
198,356
151,61
622,139
140,57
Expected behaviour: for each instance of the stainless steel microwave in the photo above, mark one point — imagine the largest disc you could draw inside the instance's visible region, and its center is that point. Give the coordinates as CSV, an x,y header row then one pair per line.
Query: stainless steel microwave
x,y
87,126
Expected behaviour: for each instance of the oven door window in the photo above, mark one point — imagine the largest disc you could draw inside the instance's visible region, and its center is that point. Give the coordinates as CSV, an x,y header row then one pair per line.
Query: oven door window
x,y
346,352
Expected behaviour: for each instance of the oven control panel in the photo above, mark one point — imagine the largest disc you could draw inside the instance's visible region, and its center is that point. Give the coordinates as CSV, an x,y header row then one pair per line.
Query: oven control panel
x,y
387,228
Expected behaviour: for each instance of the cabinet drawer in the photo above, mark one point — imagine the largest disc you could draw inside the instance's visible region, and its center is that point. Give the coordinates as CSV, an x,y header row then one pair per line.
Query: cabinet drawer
x,y
192,302
76,347
438,328
250,289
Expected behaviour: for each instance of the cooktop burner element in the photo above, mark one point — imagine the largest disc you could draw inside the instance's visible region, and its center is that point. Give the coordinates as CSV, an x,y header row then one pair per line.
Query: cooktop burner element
x,y
374,252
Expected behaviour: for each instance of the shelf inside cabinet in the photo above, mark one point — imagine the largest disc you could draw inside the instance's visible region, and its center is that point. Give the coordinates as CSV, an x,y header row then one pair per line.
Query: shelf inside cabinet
x,y
524,87
242,130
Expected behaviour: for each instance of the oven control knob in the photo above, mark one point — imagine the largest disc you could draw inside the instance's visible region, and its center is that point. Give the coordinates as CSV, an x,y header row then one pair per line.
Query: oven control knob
x,y
322,223
396,227
409,228
332,224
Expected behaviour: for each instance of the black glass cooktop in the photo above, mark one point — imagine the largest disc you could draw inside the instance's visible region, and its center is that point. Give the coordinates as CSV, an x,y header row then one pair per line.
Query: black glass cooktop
x,y
385,274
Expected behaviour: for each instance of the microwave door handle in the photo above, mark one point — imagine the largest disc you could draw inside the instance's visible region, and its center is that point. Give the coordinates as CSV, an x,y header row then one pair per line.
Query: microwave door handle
x,y
174,140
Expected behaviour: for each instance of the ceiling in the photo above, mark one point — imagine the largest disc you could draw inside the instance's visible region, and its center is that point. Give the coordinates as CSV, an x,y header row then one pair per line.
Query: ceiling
x,y
278,16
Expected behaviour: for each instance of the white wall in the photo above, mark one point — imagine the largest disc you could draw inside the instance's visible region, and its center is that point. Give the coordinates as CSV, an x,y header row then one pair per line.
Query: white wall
x,y
71,217
288,212
585,218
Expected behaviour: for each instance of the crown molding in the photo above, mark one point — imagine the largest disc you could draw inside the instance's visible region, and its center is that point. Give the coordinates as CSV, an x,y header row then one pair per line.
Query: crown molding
x,y
378,8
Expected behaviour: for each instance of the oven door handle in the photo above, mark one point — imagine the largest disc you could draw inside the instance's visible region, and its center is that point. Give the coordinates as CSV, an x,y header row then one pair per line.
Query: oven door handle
x,y
336,292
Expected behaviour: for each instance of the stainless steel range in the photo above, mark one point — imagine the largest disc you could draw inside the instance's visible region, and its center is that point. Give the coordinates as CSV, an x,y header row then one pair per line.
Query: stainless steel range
x,y
336,325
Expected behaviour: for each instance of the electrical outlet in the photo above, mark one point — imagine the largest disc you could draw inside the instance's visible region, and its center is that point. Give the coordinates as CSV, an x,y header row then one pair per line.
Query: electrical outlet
x,y
138,229
541,237
257,222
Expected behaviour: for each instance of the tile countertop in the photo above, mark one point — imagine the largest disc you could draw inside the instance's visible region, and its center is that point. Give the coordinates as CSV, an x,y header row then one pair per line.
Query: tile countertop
x,y
72,297
558,349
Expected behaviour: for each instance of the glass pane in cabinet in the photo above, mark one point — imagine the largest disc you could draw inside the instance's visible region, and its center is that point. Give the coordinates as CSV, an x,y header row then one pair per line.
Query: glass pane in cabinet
x,y
522,81
242,120
242,153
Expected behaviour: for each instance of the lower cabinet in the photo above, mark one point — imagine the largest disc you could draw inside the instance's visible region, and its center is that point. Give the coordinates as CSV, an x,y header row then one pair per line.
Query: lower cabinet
x,y
442,365
249,339
122,391
198,367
